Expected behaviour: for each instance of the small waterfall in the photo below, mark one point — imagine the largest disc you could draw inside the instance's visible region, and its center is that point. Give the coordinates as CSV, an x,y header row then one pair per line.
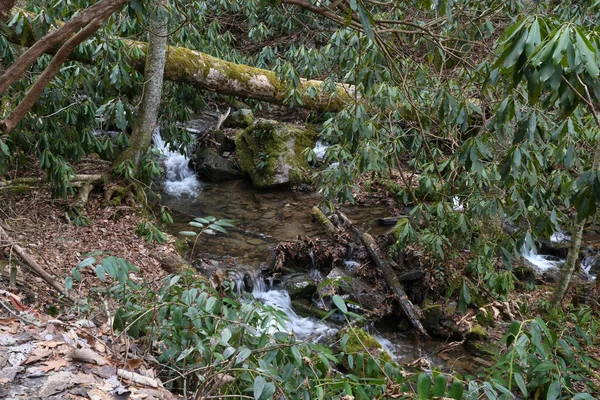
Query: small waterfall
x,y
304,328
560,237
540,261
180,178
457,205
320,149
279,299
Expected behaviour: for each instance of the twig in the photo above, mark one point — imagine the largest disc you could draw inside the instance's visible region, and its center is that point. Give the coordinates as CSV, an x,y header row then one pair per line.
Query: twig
x,y
20,317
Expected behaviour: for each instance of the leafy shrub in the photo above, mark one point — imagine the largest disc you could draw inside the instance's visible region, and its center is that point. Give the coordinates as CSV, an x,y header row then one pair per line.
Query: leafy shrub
x,y
541,364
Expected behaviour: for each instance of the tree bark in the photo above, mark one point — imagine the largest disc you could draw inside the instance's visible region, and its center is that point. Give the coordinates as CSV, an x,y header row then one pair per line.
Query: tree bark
x,y
322,218
34,93
210,73
147,114
567,270
54,37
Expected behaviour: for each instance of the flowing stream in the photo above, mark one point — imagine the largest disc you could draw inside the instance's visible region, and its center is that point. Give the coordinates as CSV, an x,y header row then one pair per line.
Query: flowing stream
x,y
545,262
263,219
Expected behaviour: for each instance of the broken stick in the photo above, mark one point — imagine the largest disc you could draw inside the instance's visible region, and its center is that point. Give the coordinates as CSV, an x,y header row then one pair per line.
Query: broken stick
x,y
388,274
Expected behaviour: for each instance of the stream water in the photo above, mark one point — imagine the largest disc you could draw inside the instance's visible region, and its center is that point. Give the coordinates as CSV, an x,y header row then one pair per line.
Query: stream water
x,y
262,220
545,262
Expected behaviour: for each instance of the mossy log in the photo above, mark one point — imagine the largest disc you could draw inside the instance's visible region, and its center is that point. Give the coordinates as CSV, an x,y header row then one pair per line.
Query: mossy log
x,y
389,275
322,218
210,73
76,181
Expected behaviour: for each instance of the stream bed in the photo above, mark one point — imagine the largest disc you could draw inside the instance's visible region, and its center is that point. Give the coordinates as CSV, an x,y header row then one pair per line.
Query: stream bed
x,y
262,219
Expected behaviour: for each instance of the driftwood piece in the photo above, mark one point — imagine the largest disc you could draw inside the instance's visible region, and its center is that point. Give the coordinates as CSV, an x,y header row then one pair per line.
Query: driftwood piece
x,y
76,181
322,218
26,257
388,274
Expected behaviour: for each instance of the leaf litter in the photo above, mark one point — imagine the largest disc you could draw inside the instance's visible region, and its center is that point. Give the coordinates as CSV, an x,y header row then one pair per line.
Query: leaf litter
x,y
64,356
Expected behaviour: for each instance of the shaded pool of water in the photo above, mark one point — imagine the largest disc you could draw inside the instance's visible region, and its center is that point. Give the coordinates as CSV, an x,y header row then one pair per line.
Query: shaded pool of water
x,y
262,218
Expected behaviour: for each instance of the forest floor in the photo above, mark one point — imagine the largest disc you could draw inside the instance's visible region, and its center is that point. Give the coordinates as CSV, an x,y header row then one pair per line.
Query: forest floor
x,y
42,356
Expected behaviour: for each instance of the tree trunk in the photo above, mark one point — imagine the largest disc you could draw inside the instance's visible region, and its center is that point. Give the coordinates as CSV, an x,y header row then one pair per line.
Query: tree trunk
x,y
567,270
148,111
34,93
5,7
53,38
389,275
207,72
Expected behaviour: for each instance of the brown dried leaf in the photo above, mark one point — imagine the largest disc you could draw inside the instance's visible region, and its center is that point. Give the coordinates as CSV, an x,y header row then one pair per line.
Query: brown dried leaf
x,y
97,394
54,364
37,354
50,343
134,363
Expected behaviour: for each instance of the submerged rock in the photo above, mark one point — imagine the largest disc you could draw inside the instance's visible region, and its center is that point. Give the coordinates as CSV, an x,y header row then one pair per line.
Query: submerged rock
x,y
305,309
272,153
213,167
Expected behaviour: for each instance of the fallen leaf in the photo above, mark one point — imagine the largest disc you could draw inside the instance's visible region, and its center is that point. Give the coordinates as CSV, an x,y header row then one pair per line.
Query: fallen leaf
x,y
54,364
97,394
87,356
134,363
37,354
18,305
50,343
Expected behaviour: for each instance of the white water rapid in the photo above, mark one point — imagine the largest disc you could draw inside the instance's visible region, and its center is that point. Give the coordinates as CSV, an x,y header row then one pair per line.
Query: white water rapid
x,y
180,179
540,261
304,328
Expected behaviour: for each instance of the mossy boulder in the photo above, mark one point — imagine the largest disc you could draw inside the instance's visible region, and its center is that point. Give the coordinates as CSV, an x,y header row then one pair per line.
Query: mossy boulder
x,y
360,342
272,153
349,284
477,332
211,166
239,119
481,348
432,315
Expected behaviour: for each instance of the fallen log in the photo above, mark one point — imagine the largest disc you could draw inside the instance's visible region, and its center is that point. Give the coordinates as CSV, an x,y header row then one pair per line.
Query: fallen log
x,y
322,218
76,181
204,71
29,261
388,274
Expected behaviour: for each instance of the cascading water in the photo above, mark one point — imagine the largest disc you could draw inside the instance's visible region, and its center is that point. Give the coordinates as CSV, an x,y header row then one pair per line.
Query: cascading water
x,y
541,261
304,328
545,262
180,179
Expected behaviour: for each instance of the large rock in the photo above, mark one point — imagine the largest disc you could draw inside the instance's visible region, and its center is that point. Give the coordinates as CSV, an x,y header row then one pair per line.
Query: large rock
x,y
213,167
272,153
347,283
239,119
299,286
